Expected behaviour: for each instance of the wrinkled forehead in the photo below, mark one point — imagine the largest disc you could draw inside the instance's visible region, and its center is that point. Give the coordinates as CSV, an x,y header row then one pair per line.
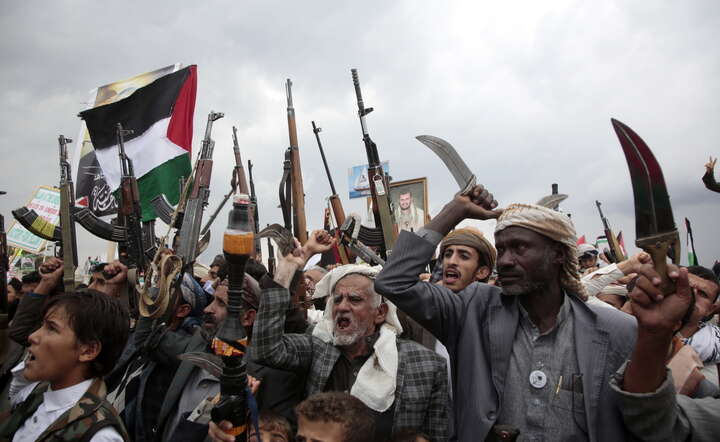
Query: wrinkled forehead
x,y
354,283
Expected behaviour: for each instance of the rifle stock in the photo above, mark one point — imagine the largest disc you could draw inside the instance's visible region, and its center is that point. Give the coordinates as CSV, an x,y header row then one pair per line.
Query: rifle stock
x,y
298,193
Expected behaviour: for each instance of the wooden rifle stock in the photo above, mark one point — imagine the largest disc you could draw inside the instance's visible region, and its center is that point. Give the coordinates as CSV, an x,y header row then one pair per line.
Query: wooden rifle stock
x,y
298,193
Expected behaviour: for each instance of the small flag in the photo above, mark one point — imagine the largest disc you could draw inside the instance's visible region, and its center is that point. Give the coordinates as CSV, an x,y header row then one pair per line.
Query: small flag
x,y
161,116
621,243
690,242
581,240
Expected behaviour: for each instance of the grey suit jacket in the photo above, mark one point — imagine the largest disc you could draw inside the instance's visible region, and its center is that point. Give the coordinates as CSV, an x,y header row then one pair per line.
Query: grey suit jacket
x,y
478,328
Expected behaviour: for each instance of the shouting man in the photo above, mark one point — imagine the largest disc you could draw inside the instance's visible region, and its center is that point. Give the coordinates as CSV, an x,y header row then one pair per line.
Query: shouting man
x,y
355,348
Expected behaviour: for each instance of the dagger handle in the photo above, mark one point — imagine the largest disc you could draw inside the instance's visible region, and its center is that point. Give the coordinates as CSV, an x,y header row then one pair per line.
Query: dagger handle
x,y
658,246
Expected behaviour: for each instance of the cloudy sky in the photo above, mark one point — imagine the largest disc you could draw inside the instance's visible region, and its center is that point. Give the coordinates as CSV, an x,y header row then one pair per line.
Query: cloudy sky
x,y
524,91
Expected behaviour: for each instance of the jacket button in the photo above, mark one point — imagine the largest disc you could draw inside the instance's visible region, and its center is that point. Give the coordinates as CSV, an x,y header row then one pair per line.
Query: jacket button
x,y
491,416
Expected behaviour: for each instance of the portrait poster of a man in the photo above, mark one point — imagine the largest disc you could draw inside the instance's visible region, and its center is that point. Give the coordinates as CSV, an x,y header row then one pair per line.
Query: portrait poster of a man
x,y
409,202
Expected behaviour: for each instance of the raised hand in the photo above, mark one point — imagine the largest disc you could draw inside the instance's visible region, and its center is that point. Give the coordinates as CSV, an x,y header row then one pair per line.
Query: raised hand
x,y
710,165
479,203
51,273
319,241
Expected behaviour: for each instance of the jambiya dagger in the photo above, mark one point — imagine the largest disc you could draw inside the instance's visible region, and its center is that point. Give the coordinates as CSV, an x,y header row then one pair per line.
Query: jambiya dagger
x,y
654,223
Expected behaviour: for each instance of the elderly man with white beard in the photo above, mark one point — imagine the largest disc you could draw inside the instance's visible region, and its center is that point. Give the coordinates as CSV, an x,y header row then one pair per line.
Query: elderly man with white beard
x,y
355,348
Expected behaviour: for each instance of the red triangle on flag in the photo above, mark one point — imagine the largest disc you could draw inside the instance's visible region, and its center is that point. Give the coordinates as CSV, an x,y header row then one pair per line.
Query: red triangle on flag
x,y
581,240
82,202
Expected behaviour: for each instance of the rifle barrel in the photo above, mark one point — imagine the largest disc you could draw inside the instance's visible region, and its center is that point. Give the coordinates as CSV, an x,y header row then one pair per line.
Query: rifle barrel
x,y
317,131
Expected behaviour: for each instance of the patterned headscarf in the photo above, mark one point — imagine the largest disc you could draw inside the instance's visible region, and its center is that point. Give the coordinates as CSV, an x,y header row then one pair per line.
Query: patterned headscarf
x,y
554,225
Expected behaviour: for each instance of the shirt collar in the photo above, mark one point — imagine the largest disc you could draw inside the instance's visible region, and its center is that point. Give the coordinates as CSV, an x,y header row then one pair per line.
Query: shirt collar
x,y
66,397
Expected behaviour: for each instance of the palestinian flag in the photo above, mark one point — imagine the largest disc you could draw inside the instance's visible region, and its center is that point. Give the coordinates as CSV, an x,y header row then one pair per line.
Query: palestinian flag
x,y
160,116
690,242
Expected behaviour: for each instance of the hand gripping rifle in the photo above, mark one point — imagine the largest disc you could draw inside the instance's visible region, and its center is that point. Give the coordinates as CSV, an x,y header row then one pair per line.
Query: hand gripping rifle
x,y
4,267
65,233
198,197
616,254
378,181
298,193
335,203
237,182
256,218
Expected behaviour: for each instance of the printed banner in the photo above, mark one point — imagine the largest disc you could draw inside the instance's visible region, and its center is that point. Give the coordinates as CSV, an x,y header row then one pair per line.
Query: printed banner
x,y
91,189
46,203
358,180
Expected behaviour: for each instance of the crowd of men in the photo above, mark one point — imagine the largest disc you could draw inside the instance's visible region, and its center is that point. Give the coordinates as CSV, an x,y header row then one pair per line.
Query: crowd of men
x,y
527,339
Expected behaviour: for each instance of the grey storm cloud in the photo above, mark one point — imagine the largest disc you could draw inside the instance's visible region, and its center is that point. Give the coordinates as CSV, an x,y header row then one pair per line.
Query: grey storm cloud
x,y
524,90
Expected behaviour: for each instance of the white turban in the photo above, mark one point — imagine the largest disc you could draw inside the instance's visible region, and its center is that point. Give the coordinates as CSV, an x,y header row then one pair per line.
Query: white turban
x,y
551,224
376,381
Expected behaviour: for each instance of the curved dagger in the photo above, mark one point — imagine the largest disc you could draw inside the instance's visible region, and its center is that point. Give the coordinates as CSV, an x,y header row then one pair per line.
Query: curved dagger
x,y
654,223
447,153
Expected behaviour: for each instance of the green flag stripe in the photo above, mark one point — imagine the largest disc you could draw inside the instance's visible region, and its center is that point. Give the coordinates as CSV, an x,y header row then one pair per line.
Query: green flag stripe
x,y
164,179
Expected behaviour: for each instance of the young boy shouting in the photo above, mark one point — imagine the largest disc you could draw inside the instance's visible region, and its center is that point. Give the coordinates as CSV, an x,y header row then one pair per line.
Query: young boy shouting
x,y
79,341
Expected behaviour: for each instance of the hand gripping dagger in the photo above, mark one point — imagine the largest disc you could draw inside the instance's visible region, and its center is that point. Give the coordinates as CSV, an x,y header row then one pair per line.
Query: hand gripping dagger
x,y
447,153
655,230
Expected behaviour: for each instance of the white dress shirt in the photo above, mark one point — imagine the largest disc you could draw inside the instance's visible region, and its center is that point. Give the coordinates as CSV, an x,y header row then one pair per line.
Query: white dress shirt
x,y
54,404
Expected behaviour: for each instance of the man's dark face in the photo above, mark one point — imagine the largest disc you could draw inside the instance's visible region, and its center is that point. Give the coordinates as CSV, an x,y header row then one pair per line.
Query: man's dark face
x,y
527,261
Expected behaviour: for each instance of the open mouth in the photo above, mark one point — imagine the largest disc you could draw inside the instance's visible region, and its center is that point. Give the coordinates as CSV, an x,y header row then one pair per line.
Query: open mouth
x,y
451,276
342,323
30,357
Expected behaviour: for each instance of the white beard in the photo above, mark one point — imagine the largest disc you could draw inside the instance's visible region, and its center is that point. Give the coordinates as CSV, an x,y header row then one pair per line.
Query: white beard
x,y
346,339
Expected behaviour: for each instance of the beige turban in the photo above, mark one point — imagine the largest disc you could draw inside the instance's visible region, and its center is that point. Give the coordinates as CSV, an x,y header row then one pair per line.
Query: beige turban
x,y
471,237
551,224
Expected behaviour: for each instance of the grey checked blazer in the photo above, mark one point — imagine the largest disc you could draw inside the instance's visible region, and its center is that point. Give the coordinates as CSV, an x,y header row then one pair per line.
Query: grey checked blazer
x,y
421,396
478,327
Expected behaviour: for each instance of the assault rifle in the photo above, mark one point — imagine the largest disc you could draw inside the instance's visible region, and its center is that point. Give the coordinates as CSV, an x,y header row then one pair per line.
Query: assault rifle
x,y
616,254
4,267
335,203
237,183
65,232
256,219
198,197
379,184
298,193
129,211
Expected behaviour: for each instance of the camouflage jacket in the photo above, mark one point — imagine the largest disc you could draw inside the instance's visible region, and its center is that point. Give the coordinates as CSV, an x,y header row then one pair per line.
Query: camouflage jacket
x,y
91,414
